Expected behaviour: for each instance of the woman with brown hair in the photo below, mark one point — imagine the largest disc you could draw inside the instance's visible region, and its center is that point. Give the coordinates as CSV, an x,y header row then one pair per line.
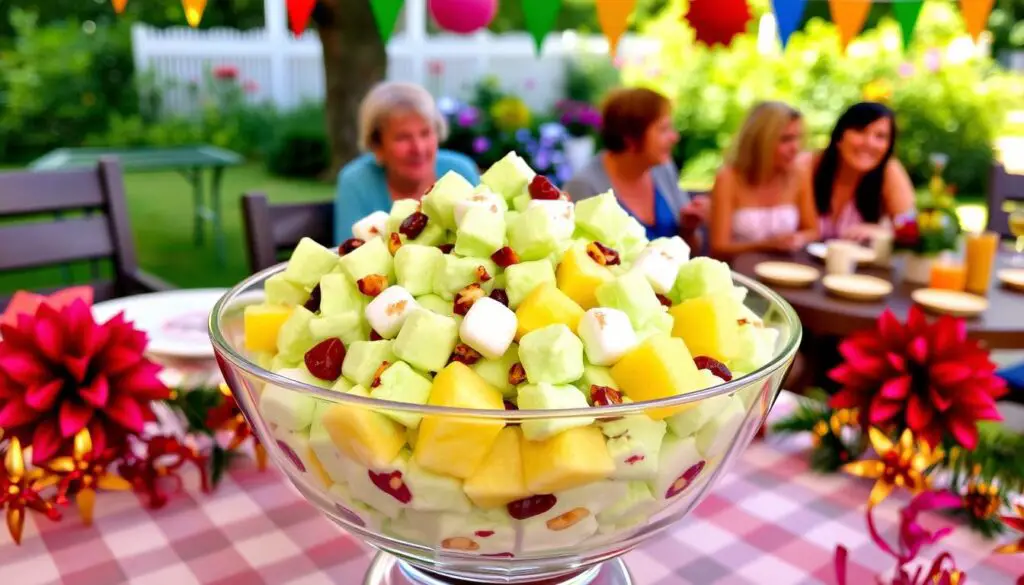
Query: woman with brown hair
x,y
760,201
638,138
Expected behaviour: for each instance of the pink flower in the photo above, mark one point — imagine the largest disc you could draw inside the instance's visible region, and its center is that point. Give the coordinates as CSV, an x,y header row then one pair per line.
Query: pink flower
x,y
250,86
61,372
225,72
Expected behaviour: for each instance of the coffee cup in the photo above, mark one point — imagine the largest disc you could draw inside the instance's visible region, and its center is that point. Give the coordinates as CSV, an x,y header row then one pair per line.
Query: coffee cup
x,y
841,257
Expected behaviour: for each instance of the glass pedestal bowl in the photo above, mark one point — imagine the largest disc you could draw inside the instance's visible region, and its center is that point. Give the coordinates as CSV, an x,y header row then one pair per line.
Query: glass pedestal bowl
x,y
466,497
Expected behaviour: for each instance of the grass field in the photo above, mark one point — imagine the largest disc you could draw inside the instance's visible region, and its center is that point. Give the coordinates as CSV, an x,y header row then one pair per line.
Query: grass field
x,y
160,205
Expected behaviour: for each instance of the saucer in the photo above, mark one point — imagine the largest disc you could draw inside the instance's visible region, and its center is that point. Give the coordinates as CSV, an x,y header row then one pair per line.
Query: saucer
x,y
950,302
857,287
787,273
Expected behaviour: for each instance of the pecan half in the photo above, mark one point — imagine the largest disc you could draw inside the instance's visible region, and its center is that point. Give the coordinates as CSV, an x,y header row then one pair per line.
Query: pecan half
x,y
516,374
465,298
465,354
372,285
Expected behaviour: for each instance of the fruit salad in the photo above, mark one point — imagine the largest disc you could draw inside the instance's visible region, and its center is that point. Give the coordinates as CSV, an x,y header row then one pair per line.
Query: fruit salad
x,y
504,296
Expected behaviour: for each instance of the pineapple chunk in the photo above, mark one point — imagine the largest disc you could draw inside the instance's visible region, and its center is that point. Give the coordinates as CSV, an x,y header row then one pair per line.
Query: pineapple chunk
x,y
579,276
569,459
709,325
454,446
659,367
262,322
499,479
365,436
547,305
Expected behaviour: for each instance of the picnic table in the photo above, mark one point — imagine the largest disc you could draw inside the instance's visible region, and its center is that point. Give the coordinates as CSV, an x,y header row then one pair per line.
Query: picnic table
x,y
192,162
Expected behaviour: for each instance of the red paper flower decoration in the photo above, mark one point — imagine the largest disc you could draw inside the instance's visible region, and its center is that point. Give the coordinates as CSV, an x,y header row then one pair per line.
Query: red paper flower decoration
x,y
718,21
61,372
927,377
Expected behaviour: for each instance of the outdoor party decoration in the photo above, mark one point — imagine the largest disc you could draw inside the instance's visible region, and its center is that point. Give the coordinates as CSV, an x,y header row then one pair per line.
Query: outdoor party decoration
x,y
193,11
119,5
717,21
925,377
1017,524
975,13
849,17
463,16
613,16
540,17
385,13
788,14
900,464
911,541
906,14
76,394
299,13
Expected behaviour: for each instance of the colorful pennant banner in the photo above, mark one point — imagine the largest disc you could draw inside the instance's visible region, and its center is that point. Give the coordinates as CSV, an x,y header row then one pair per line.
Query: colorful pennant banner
x,y
386,12
540,18
718,21
906,14
119,5
299,13
194,11
613,16
849,17
976,14
788,15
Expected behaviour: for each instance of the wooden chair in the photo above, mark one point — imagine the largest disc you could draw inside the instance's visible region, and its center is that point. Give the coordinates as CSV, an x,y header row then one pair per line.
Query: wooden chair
x,y
1003,187
55,218
272,231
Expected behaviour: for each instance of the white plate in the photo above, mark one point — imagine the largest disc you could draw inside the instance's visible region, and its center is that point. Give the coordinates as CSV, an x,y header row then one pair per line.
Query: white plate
x,y
176,322
1013,278
820,249
857,287
787,273
950,302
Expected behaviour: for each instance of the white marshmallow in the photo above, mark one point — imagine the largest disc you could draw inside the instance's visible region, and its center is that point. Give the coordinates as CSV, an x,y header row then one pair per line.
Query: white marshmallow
x,y
562,214
372,226
483,199
676,248
680,465
388,311
479,532
658,267
352,510
489,327
607,335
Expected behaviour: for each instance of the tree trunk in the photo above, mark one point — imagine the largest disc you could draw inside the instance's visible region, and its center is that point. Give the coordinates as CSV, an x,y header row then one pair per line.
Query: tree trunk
x,y
355,60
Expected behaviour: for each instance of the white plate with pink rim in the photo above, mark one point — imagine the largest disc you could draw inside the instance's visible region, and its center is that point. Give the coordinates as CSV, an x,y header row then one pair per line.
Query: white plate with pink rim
x,y
176,322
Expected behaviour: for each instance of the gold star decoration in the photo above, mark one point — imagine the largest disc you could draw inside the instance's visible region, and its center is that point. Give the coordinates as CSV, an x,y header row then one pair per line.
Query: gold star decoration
x,y
899,465
83,473
19,489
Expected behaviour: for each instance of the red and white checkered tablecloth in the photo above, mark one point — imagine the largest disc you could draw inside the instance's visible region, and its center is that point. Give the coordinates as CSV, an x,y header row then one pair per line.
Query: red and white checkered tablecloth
x,y
771,521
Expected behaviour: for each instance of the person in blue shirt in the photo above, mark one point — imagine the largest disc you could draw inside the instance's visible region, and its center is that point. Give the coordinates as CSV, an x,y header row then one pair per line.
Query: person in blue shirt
x,y
400,130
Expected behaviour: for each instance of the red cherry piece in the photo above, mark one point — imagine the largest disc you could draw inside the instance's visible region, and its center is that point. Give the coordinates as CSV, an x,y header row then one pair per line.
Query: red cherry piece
x,y
392,484
324,359
313,302
500,295
604,395
717,368
446,248
291,455
484,533
531,506
685,480
635,459
542,188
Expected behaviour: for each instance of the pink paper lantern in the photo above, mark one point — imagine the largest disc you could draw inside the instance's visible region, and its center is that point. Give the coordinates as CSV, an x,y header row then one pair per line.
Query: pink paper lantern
x,y
463,16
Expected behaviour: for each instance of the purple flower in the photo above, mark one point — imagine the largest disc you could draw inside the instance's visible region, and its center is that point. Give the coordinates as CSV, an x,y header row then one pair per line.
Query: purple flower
x,y
467,116
563,173
448,106
552,131
590,117
481,144
523,135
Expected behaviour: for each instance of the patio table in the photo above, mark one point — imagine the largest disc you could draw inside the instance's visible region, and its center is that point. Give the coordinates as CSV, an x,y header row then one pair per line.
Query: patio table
x,y
770,521
190,161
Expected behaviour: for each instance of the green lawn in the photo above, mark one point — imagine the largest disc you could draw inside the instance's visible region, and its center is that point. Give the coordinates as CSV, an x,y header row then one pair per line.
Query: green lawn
x,y
160,205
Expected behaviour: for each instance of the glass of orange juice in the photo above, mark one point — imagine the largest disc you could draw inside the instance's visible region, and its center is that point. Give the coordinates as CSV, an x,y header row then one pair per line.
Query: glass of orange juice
x,y
980,255
949,275
1016,221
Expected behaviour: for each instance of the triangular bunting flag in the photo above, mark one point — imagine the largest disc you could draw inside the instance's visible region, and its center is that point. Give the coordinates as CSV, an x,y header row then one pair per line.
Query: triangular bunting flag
x,y
299,12
788,14
717,21
849,17
119,5
540,18
613,16
194,11
906,14
386,12
975,14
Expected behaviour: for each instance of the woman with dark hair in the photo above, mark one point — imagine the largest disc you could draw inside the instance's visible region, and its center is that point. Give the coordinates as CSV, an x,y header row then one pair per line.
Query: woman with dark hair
x,y
856,181
636,163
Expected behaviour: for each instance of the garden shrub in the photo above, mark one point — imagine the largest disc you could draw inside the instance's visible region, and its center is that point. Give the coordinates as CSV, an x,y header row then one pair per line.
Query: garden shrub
x,y
299,146
945,100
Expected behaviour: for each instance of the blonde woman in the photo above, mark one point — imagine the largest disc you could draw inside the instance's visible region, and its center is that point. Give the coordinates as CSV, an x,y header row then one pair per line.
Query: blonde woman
x,y
761,201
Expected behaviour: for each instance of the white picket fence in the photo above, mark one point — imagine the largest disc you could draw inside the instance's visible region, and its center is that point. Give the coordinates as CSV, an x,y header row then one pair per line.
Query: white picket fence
x,y
288,71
